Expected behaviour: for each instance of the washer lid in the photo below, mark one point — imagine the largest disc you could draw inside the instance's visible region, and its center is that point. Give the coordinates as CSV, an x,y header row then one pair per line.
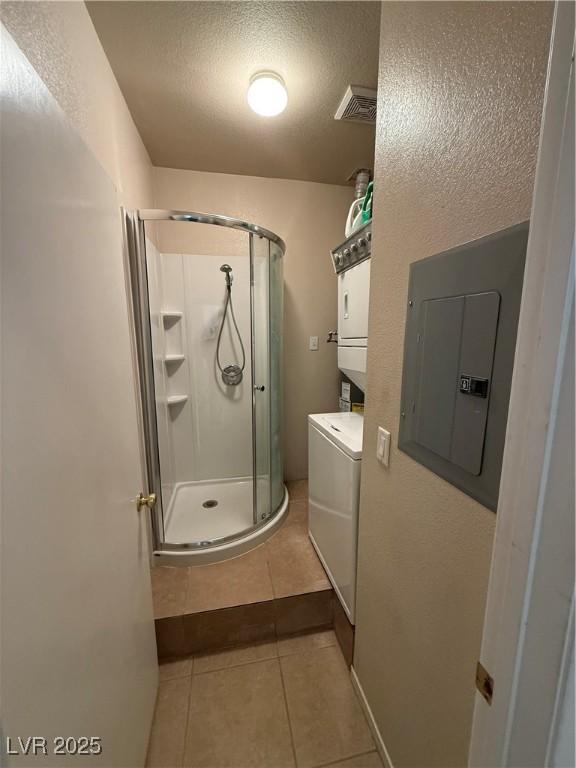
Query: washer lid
x,y
343,428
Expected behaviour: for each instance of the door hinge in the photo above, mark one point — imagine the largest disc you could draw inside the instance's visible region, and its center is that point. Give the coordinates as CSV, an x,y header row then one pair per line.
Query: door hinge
x,y
484,683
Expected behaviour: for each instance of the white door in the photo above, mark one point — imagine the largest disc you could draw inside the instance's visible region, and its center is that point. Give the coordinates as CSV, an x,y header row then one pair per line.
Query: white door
x,y
78,649
353,301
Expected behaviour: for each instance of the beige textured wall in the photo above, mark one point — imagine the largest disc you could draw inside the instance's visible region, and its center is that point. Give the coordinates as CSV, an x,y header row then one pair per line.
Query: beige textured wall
x,y
310,218
460,98
59,40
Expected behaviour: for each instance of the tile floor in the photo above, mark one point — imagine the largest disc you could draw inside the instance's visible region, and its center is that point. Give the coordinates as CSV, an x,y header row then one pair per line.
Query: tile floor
x,y
283,566
280,704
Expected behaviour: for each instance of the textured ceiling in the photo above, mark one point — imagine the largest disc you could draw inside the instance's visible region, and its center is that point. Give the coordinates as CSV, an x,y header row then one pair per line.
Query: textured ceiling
x,y
184,68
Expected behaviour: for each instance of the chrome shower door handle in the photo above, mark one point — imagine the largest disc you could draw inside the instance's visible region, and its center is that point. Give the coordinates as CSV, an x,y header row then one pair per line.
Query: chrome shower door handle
x,y
260,388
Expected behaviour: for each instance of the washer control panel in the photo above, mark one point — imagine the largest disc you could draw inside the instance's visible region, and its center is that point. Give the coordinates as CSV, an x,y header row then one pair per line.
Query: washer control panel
x,y
353,250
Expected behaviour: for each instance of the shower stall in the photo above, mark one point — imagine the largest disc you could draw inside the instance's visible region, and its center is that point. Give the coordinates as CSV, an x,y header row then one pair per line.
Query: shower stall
x,y
207,299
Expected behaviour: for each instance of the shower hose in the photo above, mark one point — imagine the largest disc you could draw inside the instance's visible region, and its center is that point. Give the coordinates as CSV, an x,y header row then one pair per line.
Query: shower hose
x,y
231,374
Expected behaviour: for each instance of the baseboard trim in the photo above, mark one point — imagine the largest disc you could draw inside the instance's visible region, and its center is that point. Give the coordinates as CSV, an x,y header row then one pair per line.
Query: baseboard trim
x,y
381,747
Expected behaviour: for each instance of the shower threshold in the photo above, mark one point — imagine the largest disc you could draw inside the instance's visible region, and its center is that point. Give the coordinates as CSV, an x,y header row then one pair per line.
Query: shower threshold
x,y
202,512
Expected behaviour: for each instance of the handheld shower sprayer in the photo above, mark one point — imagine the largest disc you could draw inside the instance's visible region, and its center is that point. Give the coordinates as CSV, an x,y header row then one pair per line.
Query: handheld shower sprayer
x,y
227,269
231,374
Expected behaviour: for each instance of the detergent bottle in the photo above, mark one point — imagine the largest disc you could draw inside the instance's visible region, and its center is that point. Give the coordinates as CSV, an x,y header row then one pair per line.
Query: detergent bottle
x,y
366,212
361,207
354,219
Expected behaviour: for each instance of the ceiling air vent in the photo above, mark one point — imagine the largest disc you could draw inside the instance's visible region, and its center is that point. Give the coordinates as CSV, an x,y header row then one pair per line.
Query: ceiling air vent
x,y
358,105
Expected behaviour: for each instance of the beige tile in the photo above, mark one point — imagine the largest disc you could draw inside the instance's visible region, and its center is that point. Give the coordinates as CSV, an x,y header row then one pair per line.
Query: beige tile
x,y
238,719
294,565
171,668
289,536
310,641
298,489
239,581
297,514
234,657
302,613
166,747
370,760
325,715
169,590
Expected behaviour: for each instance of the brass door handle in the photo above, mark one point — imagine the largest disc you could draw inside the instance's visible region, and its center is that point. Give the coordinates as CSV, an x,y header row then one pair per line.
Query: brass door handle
x,y
145,501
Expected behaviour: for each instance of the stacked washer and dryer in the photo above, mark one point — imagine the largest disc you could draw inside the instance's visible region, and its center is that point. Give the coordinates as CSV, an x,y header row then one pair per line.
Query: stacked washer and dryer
x,y
335,439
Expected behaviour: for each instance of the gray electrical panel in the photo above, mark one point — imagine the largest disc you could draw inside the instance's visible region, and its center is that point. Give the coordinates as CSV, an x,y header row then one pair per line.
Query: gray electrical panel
x,y
461,324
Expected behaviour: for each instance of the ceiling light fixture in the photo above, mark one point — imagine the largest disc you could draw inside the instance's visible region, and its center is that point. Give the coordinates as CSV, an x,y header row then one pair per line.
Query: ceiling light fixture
x,y
267,94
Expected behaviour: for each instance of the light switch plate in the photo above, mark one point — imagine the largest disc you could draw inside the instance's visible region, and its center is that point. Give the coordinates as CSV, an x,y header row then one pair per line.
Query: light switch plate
x,y
383,446
313,344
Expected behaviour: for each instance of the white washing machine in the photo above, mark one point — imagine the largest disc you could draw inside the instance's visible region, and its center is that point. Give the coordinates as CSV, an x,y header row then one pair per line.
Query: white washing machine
x,y
334,461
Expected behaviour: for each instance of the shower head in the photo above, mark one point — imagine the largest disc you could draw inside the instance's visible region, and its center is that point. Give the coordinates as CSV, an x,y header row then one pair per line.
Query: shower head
x,y
228,270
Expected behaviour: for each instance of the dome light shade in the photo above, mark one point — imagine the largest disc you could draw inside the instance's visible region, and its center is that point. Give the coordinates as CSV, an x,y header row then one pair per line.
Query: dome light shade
x,y
267,94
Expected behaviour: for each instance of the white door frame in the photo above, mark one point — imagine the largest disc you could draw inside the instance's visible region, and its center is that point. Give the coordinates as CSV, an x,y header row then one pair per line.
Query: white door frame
x,y
528,633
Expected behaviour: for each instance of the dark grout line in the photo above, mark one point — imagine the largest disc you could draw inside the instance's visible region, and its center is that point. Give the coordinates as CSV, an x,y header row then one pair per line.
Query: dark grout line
x,y
235,666
278,656
187,597
274,596
287,711
176,677
187,718
344,759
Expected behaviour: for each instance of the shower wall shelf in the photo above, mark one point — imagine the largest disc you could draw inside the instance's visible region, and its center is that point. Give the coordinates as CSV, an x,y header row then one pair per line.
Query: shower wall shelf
x,y
174,358
176,399
170,318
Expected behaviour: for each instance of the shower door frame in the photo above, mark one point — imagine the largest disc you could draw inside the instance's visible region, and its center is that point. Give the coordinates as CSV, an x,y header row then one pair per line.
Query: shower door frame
x,y
135,238
258,389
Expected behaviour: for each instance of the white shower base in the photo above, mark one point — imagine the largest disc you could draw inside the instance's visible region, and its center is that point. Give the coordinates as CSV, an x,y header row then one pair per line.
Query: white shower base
x,y
187,521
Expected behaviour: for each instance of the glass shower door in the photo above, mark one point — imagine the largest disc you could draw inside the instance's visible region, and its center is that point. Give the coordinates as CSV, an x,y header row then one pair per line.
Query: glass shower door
x,y
276,313
260,311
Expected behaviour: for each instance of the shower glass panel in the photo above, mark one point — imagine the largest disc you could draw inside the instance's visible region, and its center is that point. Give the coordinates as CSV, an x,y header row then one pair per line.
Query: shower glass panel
x,y
208,329
259,251
275,318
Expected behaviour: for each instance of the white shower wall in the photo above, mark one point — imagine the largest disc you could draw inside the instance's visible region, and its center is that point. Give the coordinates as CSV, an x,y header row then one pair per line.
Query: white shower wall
x,y
209,437
223,414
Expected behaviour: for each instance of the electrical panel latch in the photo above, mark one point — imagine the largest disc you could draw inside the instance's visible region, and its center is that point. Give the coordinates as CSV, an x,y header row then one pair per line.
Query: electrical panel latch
x,y
472,385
